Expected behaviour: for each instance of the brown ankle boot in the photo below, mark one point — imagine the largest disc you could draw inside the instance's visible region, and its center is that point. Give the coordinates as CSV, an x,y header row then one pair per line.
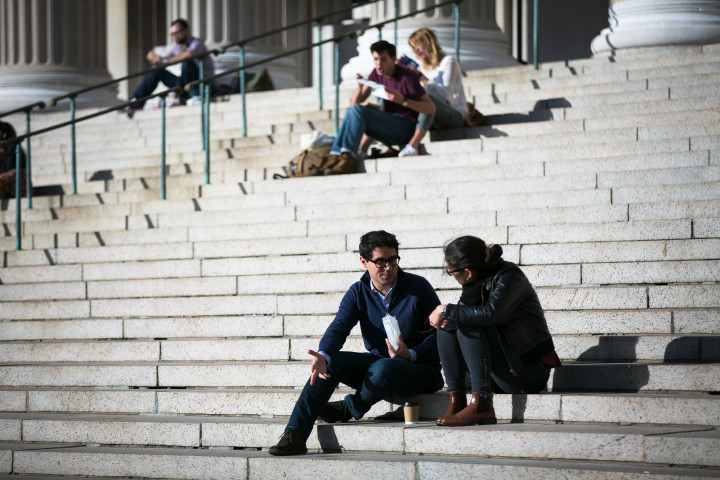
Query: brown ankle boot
x,y
479,412
456,402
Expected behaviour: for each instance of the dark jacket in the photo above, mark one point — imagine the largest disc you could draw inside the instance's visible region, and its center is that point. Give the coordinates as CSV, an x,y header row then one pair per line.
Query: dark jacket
x,y
411,302
510,305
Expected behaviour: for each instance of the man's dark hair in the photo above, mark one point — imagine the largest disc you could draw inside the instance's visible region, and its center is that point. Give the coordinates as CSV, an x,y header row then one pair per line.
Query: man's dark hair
x,y
383,46
182,22
372,240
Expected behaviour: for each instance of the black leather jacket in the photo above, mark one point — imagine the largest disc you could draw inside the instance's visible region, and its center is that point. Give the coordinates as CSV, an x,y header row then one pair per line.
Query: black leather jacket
x,y
511,308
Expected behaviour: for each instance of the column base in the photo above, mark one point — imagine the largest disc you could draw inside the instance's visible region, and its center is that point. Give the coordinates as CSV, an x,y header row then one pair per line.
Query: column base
x,y
20,89
654,23
479,48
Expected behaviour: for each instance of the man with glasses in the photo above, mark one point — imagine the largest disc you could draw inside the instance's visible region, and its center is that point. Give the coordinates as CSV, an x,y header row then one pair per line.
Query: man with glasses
x,y
410,369
184,47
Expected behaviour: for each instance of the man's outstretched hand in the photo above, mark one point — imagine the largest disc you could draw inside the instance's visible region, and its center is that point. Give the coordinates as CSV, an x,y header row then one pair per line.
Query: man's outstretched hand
x,y
402,350
318,367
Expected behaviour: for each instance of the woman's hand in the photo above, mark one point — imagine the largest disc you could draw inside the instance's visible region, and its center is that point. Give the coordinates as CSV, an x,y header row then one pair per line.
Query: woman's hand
x,y
435,319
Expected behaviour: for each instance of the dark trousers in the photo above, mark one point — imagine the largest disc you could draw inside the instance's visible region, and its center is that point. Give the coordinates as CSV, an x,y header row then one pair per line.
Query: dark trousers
x,y
477,350
372,376
189,73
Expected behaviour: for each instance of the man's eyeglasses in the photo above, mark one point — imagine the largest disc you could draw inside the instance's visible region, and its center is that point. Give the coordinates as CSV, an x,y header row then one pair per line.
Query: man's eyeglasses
x,y
384,262
456,270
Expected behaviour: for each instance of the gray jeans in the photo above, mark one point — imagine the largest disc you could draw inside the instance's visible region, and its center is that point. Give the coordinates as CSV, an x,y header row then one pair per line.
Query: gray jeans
x,y
445,117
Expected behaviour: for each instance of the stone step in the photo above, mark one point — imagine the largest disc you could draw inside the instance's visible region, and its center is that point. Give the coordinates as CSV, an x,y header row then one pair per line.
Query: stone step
x,y
697,321
569,347
621,251
623,408
635,108
574,377
688,322
246,465
666,444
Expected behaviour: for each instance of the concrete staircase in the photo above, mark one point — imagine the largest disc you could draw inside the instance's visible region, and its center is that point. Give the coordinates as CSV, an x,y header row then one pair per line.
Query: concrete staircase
x,y
166,339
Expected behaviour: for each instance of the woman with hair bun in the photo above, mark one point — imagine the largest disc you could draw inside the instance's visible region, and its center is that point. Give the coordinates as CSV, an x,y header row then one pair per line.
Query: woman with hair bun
x,y
497,332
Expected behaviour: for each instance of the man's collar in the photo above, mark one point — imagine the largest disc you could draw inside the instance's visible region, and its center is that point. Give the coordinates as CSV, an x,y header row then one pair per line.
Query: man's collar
x,y
368,281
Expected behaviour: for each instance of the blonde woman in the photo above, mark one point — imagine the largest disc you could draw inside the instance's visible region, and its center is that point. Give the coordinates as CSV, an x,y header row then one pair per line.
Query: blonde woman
x,y
442,78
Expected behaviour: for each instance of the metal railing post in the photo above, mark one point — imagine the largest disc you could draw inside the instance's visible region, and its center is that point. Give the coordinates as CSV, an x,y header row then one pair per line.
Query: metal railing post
x,y
28,164
379,29
320,67
18,200
456,11
395,25
163,104
242,90
202,112
207,131
73,155
336,74
535,35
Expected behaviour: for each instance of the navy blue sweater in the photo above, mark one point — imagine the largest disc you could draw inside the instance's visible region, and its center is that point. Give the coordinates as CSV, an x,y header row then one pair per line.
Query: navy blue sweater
x,y
411,302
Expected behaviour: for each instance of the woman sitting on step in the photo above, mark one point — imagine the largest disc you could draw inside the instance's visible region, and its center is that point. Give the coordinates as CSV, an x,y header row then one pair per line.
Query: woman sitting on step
x,y
442,77
497,332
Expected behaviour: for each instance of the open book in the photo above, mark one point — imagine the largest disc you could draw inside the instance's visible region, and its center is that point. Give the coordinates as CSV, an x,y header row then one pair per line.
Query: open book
x,y
377,89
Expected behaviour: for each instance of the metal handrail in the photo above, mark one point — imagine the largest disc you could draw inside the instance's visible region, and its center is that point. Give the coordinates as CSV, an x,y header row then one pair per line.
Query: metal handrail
x,y
336,40
204,84
27,109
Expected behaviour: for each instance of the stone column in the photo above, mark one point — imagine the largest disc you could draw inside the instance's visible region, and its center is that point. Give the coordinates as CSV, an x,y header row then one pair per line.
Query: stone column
x,y
482,44
219,22
653,23
50,48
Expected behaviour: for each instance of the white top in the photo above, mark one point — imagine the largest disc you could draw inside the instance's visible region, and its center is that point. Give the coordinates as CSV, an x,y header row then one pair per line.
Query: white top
x,y
446,82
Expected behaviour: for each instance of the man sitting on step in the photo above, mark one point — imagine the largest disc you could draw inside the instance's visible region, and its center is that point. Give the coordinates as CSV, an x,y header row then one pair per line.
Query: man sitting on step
x,y
410,369
394,125
185,47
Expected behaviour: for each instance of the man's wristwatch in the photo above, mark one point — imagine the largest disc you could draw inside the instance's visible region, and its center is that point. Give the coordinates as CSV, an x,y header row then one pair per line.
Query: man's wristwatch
x,y
165,61
405,103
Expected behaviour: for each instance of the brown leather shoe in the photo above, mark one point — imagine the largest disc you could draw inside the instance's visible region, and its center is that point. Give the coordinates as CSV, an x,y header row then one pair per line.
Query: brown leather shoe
x,y
479,412
456,402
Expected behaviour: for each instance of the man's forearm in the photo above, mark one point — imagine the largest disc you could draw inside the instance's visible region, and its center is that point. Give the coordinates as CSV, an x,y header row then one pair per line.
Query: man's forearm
x,y
422,106
357,97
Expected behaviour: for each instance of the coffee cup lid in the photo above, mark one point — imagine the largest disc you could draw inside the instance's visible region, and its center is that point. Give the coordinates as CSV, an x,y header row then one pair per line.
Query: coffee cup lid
x,y
410,404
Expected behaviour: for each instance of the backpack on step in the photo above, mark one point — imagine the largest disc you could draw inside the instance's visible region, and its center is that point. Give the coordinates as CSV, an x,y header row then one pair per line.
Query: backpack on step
x,y
310,162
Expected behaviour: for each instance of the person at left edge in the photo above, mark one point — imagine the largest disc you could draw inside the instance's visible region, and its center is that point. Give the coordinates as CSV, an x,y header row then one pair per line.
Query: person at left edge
x,y
413,368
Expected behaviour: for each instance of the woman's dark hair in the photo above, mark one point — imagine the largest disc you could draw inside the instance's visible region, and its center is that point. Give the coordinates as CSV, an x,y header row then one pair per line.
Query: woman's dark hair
x,y
471,252
372,240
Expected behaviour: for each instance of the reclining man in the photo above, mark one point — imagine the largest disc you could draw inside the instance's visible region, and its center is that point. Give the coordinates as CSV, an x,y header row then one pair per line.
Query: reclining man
x,y
411,369
394,125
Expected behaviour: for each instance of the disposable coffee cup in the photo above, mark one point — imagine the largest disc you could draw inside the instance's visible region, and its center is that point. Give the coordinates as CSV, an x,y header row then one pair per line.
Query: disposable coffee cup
x,y
412,412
